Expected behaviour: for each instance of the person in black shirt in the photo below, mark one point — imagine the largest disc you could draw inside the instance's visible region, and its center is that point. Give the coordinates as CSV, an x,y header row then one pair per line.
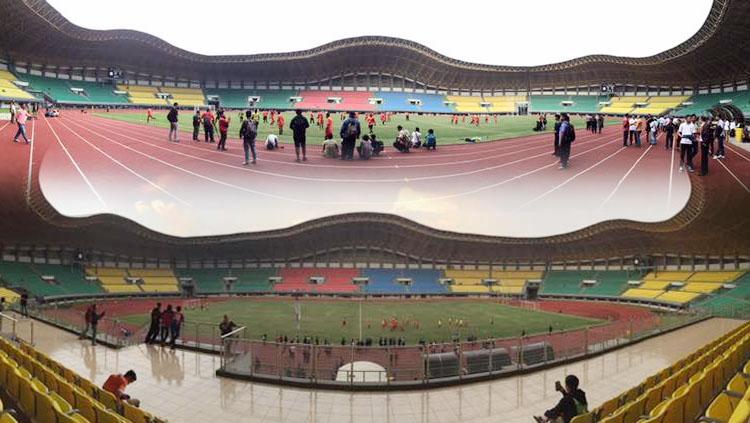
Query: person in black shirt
x,y
299,125
557,135
572,403
95,317
153,329
173,125
669,129
196,124
350,132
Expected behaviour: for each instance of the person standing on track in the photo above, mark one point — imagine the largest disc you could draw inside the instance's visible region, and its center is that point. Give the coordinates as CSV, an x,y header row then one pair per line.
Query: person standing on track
x,y
298,125
173,119
708,130
248,133
687,138
21,117
556,151
599,123
567,136
223,129
196,124
208,126
350,132
669,130
721,135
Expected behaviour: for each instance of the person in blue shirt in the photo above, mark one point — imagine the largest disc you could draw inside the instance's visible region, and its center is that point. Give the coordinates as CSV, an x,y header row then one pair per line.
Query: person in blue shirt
x,y
350,132
431,141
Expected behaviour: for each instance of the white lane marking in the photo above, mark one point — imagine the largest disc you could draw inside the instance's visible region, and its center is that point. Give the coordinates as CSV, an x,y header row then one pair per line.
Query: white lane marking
x,y
130,170
78,168
569,180
31,160
745,187
624,177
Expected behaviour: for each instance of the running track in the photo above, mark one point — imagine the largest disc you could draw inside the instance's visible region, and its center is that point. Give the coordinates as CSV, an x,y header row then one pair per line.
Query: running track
x,y
94,165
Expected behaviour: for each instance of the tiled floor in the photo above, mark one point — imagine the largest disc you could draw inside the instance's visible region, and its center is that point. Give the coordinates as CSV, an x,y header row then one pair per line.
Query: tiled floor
x,y
181,386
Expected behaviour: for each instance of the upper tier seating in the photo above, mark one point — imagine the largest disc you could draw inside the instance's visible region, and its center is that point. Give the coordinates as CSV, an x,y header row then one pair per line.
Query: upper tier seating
x,y
704,102
505,104
156,280
9,90
350,101
298,280
142,95
400,102
185,97
660,105
23,275
623,105
10,296
608,282
553,103
384,281
59,90
467,104
508,281
247,280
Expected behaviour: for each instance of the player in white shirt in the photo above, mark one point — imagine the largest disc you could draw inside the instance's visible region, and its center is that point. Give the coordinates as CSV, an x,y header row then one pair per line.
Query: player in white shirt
x,y
272,142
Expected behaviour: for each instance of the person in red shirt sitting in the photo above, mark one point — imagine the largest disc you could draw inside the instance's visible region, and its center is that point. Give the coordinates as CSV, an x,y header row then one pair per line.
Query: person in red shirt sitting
x,y
116,385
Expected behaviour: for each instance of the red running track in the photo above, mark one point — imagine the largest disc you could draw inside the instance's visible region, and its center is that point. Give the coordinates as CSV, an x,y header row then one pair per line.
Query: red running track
x,y
506,188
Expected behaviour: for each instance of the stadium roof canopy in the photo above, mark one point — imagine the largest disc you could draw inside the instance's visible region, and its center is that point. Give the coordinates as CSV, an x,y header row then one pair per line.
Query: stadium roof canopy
x,y
718,54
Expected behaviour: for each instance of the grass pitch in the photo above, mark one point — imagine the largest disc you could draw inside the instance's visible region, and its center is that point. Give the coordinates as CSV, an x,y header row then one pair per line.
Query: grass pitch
x,y
446,132
426,320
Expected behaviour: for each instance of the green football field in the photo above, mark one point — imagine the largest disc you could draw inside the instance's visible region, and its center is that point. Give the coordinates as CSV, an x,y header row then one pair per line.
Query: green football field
x,y
426,320
446,132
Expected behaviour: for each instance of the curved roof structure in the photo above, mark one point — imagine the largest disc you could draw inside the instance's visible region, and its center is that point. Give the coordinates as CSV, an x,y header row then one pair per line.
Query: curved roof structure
x,y
716,54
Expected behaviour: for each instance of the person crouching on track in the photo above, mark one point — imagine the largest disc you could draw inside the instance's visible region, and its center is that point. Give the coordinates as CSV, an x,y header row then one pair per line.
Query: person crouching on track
x,y
573,402
272,142
365,148
403,141
248,133
431,140
377,145
330,149
116,385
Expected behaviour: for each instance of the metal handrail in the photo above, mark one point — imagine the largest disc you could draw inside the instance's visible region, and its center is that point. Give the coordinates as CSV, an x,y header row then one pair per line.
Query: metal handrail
x,y
14,320
233,332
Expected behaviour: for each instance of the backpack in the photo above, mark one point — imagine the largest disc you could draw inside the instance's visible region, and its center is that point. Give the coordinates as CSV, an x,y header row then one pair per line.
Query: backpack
x,y
351,130
571,133
251,132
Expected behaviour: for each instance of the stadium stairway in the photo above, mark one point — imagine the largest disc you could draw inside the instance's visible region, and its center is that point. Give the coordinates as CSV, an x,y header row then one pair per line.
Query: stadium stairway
x,y
384,281
680,392
47,391
298,280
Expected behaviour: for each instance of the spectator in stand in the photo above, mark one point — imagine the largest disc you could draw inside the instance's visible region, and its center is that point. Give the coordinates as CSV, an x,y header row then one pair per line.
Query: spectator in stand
x,y
298,125
208,125
116,385
226,326
153,329
431,142
350,132
22,115
223,129
572,403
95,318
196,124
176,326
272,142
687,138
86,321
248,133
172,118
166,323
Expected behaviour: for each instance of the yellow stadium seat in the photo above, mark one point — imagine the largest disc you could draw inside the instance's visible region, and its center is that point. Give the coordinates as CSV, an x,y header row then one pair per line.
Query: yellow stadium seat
x,y
609,407
135,415
693,404
669,276
679,297
60,403
85,405
44,409
702,287
108,399
719,277
107,416
741,413
661,285
7,418
582,418
617,417
26,396
641,293
634,409
721,407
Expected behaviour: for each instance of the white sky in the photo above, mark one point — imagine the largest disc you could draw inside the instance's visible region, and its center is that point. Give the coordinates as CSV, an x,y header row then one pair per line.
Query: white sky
x,y
498,32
